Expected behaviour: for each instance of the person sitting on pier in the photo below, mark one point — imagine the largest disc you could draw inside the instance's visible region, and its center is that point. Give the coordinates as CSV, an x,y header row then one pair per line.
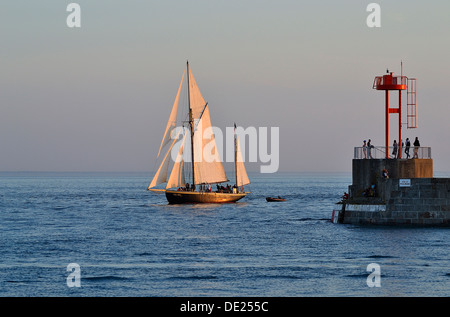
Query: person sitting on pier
x,y
369,192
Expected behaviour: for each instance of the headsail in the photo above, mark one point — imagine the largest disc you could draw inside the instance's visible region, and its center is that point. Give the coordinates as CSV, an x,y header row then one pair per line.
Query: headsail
x,y
171,124
176,178
161,175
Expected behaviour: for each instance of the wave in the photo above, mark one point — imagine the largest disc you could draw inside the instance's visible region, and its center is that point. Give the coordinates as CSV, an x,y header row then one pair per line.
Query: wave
x,y
361,275
105,278
61,207
376,256
18,282
281,276
193,277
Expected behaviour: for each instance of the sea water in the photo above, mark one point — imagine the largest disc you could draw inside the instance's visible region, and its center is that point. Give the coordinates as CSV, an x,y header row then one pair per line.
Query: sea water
x,y
130,242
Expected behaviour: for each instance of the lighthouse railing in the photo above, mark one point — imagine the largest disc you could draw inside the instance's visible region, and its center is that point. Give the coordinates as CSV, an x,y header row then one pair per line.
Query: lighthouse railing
x,y
379,152
382,82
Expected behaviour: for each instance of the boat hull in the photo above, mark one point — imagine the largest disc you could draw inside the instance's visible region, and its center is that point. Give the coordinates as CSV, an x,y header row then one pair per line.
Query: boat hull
x,y
269,199
181,197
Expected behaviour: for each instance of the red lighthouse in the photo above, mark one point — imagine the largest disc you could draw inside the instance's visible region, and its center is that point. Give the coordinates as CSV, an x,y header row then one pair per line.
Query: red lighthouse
x,y
388,83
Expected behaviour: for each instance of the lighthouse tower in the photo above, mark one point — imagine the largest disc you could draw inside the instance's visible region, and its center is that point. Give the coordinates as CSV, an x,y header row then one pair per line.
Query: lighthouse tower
x,y
390,83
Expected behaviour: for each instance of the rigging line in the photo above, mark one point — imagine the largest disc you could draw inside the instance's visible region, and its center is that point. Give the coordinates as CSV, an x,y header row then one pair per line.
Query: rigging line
x,y
200,117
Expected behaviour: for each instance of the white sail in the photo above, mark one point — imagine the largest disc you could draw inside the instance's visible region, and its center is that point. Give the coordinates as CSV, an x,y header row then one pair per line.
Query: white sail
x,y
172,118
241,174
208,167
176,178
197,103
161,175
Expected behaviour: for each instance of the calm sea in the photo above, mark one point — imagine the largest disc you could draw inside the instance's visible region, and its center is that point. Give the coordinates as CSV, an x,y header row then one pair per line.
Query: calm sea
x,y
130,242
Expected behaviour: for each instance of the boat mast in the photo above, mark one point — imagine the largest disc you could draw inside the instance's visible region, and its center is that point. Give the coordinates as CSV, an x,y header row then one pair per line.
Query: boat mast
x,y
235,156
191,125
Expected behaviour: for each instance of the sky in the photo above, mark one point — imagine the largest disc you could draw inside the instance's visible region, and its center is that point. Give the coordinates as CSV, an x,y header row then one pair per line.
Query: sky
x,y
98,97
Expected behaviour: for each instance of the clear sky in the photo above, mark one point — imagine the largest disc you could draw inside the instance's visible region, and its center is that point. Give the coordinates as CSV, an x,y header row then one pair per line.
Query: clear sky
x,y
97,98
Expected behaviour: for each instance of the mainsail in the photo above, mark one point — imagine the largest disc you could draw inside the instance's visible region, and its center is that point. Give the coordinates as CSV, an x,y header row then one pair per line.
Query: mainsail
x,y
208,167
196,101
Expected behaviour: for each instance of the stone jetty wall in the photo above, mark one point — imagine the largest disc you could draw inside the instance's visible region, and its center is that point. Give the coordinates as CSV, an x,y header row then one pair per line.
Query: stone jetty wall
x,y
410,196
415,201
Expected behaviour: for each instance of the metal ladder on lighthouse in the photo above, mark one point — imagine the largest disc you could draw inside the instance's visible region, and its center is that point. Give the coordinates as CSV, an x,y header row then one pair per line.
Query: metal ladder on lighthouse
x,y
411,112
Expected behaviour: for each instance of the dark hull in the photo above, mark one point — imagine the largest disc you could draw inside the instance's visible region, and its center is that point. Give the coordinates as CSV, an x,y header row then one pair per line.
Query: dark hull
x,y
181,197
275,199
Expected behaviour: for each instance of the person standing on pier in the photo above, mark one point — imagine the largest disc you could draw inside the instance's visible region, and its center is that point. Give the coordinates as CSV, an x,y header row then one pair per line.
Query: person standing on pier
x,y
416,147
365,149
369,147
394,152
408,145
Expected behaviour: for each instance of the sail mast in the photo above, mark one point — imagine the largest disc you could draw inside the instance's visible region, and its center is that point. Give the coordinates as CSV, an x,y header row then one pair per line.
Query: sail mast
x,y
235,156
191,123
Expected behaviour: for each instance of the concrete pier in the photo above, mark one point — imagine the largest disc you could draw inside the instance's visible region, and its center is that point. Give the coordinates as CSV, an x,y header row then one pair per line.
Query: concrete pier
x,y
409,196
369,172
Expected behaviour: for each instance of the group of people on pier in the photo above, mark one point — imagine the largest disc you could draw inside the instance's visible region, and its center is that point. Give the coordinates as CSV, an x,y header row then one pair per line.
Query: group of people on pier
x,y
367,149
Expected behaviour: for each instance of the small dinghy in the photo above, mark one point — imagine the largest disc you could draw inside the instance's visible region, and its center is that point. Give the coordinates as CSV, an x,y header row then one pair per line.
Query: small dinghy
x,y
275,199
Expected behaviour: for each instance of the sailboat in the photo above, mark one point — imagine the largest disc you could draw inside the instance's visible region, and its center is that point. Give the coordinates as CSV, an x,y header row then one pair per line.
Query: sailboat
x,y
203,172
